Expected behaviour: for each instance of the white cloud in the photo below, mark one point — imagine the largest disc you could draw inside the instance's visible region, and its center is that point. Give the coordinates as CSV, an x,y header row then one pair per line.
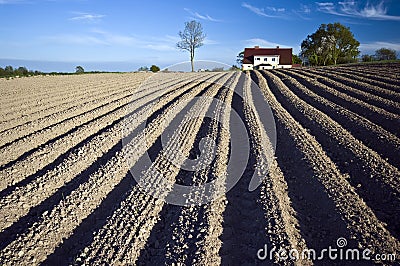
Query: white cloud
x,y
327,7
350,8
159,47
166,43
78,39
98,37
303,12
261,42
274,9
171,38
115,39
94,37
325,4
269,11
373,46
87,17
5,2
203,17
256,10
209,41
305,9
378,11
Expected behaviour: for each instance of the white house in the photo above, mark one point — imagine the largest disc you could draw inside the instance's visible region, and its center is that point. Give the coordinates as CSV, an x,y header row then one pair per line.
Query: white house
x,y
267,58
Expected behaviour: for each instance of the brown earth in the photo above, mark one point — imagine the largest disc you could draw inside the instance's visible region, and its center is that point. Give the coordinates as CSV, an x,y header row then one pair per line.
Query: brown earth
x,y
68,197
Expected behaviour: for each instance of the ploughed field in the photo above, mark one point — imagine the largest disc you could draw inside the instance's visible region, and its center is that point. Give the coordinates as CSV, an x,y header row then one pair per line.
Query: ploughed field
x,y
69,146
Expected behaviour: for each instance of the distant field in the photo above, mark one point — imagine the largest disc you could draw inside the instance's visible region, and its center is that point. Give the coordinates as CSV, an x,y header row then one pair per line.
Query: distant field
x,y
67,195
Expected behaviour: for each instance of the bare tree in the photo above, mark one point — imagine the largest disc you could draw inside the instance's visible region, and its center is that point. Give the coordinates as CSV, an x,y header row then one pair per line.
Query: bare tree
x,y
191,38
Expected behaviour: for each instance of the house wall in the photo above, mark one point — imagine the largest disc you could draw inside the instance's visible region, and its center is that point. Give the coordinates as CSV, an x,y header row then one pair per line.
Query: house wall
x,y
266,59
247,67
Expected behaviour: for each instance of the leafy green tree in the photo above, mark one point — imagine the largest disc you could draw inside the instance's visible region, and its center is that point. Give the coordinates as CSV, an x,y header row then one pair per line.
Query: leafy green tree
x,y
217,69
385,54
9,70
192,38
234,68
21,71
239,58
154,68
324,45
310,50
296,59
367,58
330,44
143,68
79,70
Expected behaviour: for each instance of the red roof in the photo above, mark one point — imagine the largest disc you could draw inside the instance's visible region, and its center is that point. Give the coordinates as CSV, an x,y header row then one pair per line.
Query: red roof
x,y
284,53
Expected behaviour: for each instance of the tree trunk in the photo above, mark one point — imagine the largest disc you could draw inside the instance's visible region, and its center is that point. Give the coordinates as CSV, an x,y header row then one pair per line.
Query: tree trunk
x,y
191,60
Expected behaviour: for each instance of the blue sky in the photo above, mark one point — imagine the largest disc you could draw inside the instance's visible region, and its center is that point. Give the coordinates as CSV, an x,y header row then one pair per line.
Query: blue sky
x,y
55,35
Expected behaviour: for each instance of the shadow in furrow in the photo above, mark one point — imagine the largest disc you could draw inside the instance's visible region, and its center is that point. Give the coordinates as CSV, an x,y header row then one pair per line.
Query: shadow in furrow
x,y
63,156
390,125
155,249
83,235
28,153
320,223
154,253
34,215
369,138
244,223
71,131
375,102
382,199
360,87
57,123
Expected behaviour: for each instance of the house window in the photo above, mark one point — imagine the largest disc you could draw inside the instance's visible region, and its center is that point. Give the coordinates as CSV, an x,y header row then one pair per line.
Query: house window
x,y
273,59
265,59
258,58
